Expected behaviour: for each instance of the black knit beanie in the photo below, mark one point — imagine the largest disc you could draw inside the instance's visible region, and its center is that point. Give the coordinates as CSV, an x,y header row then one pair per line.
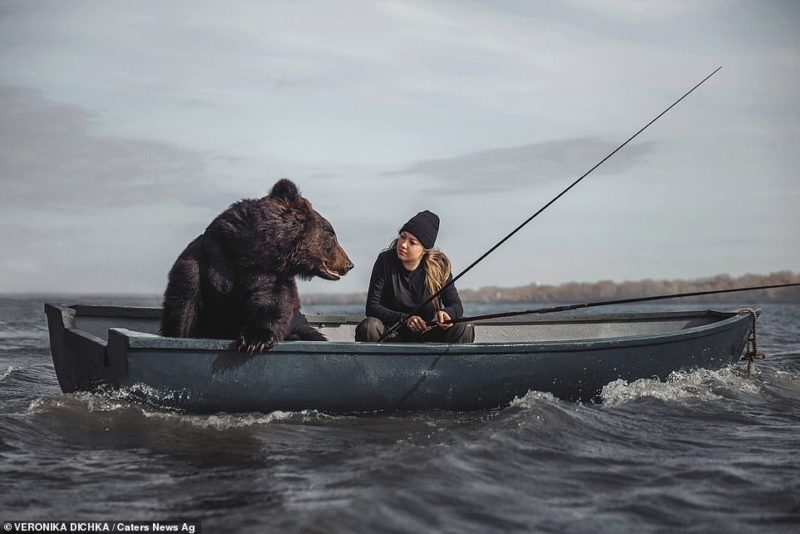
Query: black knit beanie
x,y
425,227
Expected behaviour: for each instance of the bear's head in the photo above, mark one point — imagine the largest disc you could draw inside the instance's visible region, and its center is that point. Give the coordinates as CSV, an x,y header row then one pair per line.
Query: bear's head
x,y
310,244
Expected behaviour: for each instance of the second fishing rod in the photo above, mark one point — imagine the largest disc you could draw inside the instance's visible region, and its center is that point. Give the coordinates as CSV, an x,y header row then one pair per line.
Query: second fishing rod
x,y
413,312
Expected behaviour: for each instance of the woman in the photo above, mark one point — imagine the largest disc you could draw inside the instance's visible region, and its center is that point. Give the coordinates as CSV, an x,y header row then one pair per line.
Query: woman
x,y
404,276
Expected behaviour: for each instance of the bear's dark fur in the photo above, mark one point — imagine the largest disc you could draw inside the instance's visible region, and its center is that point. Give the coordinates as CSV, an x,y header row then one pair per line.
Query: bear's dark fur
x,y
236,281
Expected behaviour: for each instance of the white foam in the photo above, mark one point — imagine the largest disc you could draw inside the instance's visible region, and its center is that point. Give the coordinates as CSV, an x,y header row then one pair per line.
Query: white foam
x,y
224,421
700,384
92,403
142,391
41,405
124,399
8,371
532,399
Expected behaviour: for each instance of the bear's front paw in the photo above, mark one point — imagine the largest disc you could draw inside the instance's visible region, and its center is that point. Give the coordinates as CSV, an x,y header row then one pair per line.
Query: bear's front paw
x,y
260,340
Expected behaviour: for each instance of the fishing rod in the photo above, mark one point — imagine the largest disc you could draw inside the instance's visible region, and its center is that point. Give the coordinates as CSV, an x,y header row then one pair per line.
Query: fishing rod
x,y
568,307
405,317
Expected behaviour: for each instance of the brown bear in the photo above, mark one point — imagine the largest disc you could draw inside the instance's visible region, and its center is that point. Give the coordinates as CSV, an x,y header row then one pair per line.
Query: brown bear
x,y
237,280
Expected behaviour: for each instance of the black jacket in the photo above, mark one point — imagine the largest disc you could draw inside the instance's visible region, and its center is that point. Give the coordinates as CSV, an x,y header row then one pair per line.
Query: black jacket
x,y
394,292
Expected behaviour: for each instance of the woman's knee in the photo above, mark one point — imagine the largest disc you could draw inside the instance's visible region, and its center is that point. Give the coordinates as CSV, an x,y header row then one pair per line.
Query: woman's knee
x,y
461,333
370,329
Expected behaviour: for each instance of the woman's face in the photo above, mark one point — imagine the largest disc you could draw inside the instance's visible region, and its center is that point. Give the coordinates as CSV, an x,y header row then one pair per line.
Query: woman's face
x,y
409,249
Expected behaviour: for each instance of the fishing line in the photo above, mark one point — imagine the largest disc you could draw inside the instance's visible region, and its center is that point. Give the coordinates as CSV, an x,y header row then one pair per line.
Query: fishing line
x,y
397,325
568,307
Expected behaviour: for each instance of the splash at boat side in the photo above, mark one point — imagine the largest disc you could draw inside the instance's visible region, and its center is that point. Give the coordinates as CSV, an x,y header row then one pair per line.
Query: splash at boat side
x,y
699,384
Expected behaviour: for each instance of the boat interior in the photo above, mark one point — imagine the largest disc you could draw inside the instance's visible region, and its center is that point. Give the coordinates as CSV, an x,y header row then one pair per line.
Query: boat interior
x,y
96,321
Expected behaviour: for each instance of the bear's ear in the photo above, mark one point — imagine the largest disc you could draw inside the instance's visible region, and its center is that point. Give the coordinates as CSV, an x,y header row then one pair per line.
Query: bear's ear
x,y
286,191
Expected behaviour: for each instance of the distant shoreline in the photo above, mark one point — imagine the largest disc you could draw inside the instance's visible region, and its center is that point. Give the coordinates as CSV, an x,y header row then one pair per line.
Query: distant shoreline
x,y
570,292
608,290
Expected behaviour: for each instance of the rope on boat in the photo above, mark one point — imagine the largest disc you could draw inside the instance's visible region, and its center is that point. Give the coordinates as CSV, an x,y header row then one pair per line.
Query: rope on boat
x,y
752,353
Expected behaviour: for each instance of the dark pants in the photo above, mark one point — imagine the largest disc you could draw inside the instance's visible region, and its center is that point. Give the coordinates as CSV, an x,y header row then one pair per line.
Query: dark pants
x,y
371,329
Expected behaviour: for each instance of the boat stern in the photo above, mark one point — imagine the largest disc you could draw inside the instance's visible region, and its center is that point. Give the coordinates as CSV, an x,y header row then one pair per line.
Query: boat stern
x,y
79,358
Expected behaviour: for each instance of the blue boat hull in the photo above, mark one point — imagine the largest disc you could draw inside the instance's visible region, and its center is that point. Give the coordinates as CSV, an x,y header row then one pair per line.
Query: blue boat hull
x,y
202,376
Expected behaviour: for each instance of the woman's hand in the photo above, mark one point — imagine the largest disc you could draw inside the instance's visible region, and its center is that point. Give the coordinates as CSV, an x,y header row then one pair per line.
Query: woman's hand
x,y
442,317
416,323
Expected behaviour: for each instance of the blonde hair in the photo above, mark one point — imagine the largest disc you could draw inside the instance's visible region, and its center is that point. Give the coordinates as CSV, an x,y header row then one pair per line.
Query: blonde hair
x,y
437,270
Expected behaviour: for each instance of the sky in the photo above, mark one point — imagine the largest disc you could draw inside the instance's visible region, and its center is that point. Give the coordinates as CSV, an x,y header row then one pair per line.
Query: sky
x,y
126,127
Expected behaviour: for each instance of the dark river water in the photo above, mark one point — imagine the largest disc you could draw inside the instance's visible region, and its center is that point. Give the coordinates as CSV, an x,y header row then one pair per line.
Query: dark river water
x,y
707,451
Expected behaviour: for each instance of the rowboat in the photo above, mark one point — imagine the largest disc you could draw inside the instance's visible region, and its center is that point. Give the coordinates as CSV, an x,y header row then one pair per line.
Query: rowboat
x,y
572,357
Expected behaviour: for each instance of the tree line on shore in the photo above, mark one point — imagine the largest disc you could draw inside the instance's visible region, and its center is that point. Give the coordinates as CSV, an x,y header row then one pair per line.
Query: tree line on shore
x,y
572,292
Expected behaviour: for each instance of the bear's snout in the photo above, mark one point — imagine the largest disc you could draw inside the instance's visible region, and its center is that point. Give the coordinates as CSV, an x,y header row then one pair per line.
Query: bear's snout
x,y
336,265
342,265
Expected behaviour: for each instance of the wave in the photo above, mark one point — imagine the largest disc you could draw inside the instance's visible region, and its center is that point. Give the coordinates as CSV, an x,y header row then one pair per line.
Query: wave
x,y
8,371
223,421
127,402
533,399
681,386
33,332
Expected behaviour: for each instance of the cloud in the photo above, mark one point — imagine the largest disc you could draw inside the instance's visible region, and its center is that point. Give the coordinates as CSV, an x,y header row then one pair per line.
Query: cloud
x,y
513,168
52,160
124,130
637,11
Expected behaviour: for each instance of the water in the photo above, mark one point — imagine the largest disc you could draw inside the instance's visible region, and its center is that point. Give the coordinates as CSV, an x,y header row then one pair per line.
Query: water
x,y
707,451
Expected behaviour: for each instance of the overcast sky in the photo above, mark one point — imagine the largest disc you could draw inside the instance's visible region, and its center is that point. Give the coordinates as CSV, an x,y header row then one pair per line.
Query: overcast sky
x,y
125,127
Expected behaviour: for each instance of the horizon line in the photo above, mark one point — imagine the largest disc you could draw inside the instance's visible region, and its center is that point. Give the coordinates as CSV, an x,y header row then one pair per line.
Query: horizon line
x,y
160,294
